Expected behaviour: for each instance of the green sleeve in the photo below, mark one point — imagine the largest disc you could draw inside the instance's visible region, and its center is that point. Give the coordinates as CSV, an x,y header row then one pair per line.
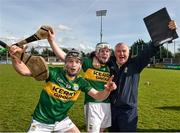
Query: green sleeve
x,y
52,72
85,86
86,63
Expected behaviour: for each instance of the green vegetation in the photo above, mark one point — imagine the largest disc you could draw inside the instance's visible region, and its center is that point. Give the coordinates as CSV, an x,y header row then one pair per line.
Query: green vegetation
x,y
159,101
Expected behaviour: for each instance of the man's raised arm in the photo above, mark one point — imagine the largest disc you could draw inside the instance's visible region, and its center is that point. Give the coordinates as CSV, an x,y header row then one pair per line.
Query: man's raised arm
x,y
56,49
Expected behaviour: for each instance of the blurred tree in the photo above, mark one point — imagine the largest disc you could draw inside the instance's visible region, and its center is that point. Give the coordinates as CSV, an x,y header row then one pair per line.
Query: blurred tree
x,y
163,53
34,51
137,47
177,54
3,50
46,52
65,50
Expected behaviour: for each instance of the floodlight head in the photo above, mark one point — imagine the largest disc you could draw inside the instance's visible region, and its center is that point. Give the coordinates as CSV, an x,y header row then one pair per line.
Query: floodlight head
x,y
101,13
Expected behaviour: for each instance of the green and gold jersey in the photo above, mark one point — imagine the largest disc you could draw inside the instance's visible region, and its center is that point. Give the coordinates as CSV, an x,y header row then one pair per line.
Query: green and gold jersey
x,y
58,96
96,77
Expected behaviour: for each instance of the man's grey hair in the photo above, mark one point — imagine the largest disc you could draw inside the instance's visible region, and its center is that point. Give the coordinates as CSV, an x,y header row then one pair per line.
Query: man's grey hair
x,y
120,43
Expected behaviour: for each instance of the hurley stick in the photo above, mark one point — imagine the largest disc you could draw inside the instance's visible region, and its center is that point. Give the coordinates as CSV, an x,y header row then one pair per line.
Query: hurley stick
x,y
36,64
42,33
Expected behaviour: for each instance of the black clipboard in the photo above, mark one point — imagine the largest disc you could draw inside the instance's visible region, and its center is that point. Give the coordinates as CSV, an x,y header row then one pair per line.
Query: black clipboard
x,y
157,26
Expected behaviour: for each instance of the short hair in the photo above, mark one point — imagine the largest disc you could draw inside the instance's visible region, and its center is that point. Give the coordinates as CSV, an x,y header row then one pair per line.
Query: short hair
x,y
120,43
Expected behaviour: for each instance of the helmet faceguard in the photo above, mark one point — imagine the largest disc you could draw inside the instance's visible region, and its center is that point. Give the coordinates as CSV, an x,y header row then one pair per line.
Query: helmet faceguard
x,y
103,51
73,53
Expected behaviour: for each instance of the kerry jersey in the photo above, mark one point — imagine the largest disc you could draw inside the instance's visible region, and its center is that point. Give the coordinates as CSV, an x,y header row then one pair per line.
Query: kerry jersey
x,y
96,77
58,96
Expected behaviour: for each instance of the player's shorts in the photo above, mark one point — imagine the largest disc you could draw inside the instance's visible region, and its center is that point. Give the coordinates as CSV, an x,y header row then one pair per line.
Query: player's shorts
x,y
62,126
98,115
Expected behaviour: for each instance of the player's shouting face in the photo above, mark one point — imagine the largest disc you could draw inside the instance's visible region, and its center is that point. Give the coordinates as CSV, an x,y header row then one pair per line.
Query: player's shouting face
x,y
72,66
103,55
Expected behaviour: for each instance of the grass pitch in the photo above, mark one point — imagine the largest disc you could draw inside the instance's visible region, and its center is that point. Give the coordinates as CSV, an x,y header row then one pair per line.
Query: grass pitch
x,y
158,101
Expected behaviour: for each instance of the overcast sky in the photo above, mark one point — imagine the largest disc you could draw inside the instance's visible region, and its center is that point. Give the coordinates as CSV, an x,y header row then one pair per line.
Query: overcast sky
x,y
76,23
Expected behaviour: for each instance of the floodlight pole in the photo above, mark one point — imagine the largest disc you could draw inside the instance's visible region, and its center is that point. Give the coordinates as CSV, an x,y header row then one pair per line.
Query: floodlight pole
x,y
174,49
101,13
101,31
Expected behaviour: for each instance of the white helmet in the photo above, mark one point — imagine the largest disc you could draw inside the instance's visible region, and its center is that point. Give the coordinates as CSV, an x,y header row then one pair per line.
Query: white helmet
x,y
102,45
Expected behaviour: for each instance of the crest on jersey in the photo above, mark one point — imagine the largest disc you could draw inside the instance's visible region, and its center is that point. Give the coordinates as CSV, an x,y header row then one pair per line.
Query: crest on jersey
x,y
75,87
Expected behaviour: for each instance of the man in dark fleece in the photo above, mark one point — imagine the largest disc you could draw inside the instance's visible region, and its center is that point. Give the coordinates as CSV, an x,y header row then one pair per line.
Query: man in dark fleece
x,y
126,71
